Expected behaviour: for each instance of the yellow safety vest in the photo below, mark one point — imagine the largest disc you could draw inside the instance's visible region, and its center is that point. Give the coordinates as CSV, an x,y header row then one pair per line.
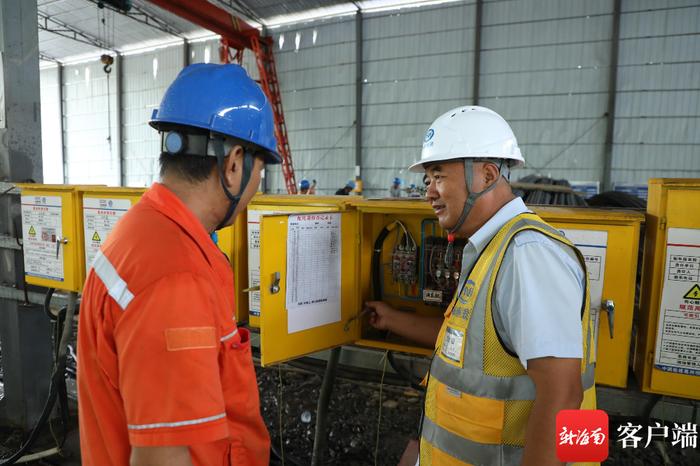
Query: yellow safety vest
x,y
479,396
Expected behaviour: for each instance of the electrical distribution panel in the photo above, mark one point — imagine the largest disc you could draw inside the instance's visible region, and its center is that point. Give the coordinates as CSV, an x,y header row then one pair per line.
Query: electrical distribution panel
x,y
440,276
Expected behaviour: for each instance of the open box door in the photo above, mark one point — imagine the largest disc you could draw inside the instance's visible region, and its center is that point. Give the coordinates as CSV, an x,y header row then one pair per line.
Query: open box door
x,y
308,283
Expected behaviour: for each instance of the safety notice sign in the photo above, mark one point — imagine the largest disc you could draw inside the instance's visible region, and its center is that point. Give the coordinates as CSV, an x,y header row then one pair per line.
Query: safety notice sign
x,y
678,333
99,217
41,229
593,245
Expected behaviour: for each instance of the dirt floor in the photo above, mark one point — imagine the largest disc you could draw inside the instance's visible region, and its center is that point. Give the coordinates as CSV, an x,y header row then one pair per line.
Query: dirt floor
x,y
353,418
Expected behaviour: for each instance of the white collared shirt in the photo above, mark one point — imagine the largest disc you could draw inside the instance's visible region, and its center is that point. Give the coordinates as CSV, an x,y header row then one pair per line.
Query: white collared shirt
x,y
539,290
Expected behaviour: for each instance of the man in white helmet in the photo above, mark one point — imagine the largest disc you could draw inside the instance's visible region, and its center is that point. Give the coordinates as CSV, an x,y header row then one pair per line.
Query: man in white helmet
x,y
514,347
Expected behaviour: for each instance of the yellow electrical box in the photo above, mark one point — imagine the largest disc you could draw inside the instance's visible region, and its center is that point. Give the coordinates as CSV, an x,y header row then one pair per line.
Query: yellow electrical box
x,y
51,236
667,352
102,208
247,273
609,242
409,241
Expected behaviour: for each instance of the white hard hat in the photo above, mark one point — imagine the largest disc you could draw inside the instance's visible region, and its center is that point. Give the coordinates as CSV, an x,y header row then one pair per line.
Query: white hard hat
x,y
469,132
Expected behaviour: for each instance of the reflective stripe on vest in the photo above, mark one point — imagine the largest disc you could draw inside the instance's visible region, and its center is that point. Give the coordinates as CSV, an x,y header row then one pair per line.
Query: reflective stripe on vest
x,y
116,286
479,397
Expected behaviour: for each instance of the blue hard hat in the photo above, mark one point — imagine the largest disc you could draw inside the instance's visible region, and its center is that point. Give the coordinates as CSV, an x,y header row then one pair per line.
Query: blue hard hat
x,y
304,184
397,180
350,184
222,99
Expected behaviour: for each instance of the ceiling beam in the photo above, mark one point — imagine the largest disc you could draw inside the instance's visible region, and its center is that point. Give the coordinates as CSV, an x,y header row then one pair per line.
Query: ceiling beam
x,y
143,16
54,26
45,57
215,18
239,8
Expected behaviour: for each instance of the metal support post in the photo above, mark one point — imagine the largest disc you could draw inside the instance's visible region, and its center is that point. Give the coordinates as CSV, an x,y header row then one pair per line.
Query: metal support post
x,y
358,94
24,330
477,51
119,90
612,93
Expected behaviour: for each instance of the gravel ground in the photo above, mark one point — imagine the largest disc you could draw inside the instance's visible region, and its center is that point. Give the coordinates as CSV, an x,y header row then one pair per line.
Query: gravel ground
x,y
353,418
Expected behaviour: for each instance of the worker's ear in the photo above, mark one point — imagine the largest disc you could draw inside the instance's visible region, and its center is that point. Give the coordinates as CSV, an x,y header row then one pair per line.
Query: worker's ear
x,y
490,173
233,168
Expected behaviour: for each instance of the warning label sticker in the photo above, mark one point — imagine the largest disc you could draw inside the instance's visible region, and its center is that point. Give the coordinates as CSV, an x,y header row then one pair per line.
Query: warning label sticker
x,y
593,244
41,227
678,333
99,217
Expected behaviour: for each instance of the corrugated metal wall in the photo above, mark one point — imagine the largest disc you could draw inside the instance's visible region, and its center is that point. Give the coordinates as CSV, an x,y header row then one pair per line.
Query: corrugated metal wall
x,y
657,126
544,67
51,150
417,64
89,155
317,81
146,77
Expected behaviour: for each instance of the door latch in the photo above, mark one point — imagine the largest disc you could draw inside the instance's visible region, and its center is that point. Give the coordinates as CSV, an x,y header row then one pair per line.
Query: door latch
x,y
60,241
275,287
609,307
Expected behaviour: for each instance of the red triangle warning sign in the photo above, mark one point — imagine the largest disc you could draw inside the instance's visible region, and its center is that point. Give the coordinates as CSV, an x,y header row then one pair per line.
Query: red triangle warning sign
x,y
693,293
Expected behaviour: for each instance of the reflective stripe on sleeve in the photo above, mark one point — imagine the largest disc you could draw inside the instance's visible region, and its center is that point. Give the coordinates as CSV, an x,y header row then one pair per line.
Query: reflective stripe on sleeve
x,y
116,287
190,422
230,335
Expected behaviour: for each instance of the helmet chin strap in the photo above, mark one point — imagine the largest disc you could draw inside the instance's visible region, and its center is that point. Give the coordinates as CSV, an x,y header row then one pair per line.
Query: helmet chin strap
x,y
248,158
472,197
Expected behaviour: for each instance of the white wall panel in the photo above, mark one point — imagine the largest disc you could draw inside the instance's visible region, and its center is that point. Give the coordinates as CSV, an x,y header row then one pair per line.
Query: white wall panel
x,y
317,80
146,77
90,111
658,99
545,69
51,143
417,65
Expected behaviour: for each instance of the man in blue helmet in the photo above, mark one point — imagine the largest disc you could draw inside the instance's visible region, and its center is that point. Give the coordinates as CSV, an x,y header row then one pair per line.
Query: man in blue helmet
x,y
395,189
165,375
304,186
347,189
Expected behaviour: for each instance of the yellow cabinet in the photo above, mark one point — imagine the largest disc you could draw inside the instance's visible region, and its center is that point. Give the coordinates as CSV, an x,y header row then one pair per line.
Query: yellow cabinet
x,y
247,256
102,207
51,236
667,353
402,242
609,242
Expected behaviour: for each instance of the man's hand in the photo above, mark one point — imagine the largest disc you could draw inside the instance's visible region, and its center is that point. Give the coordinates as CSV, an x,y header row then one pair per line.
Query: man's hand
x,y
160,456
421,329
557,386
381,314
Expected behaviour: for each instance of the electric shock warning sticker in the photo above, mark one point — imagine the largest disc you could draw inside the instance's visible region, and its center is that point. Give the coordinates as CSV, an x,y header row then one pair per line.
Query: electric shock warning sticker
x,y
41,228
678,331
99,217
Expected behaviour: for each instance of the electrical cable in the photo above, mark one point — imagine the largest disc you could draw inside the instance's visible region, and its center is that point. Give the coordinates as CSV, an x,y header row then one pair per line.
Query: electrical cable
x,y
376,274
57,377
320,433
279,406
379,416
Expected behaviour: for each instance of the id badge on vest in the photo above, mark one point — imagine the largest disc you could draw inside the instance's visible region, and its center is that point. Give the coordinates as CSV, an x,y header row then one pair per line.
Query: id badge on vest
x,y
452,348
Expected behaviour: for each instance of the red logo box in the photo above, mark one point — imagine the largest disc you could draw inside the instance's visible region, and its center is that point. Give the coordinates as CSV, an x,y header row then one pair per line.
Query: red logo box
x,y
582,435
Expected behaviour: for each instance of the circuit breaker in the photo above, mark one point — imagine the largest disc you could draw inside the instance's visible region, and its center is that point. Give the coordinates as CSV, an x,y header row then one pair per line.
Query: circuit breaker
x,y
441,276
